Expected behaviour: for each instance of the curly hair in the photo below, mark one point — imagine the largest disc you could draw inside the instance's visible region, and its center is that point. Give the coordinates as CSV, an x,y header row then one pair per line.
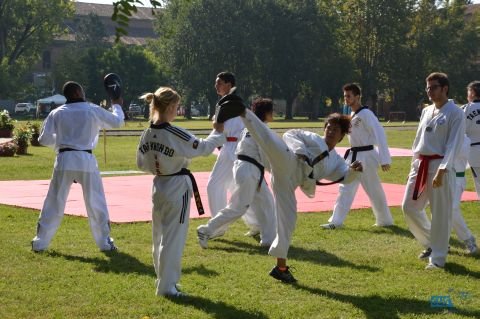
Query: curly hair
x,y
342,120
261,107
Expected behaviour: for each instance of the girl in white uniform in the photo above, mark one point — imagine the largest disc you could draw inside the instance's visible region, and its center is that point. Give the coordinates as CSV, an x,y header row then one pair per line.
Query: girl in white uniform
x,y
366,133
165,151
250,190
431,180
299,159
72,130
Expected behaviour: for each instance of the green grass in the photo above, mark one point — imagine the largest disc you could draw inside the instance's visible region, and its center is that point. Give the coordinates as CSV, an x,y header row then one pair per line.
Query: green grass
x,y
355,272
203,123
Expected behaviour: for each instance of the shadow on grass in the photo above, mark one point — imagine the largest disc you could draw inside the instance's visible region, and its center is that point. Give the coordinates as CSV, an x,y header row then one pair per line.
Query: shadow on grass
x,y
379,307
117,262
394,230
216,309
455,242
201,270
239,247
318,256
325,258
457,269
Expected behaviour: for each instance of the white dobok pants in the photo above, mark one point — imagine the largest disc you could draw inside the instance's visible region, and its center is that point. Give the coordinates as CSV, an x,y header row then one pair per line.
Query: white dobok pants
x,y
434,234
219,182
170,219
247,195
284,181
54,207
373,187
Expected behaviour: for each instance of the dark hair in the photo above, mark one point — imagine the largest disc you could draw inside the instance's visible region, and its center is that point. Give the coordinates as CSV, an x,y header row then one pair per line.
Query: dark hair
x,y
227,77
475,87
70,89
353,87
341,120
442,79
261,107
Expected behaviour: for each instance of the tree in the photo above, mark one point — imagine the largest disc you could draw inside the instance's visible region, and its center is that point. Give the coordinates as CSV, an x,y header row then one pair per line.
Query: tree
x,y
373,33
26,28
79,60
448,43
196,47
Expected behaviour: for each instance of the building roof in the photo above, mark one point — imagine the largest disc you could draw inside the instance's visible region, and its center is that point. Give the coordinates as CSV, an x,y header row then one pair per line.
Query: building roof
x,y
106,10
140,28
472,8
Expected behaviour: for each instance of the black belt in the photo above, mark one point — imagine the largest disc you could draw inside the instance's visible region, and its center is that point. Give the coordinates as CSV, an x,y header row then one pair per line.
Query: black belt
x,y
357,149
196,193
317,159
68,149
473,172
257,164
330,183
473,144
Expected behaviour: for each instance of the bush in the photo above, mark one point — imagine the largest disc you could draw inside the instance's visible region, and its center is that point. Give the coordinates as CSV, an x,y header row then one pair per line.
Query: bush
x,y
6,122
35,130
22,135
8,149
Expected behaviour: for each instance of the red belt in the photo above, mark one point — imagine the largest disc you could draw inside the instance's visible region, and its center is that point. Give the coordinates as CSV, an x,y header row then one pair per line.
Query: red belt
x,y
422,174
231,139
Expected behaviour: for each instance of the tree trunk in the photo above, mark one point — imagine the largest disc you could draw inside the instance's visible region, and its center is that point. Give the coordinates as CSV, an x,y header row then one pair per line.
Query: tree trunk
x,y
289,108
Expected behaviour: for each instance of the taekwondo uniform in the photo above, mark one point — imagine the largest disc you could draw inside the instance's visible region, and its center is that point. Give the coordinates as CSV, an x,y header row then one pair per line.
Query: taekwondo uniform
x,y
165,151
249,192
72,131
472,122
366,133
221,177
291,160
459,225
438,140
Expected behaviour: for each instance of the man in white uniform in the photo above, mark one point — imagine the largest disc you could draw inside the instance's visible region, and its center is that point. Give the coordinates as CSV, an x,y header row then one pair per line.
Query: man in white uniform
x,y
366,133
221,177
299,159
431,180
472,122
251,190
72,131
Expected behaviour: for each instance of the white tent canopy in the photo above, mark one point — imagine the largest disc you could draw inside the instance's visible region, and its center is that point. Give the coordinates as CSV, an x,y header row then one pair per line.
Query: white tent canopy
x,y
57,99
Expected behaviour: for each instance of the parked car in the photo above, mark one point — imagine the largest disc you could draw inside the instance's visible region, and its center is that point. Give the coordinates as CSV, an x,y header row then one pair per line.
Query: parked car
x,y
135,108
194,111
24,107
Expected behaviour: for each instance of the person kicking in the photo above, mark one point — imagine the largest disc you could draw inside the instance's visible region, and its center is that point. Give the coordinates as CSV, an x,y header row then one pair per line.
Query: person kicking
x,y
298,160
